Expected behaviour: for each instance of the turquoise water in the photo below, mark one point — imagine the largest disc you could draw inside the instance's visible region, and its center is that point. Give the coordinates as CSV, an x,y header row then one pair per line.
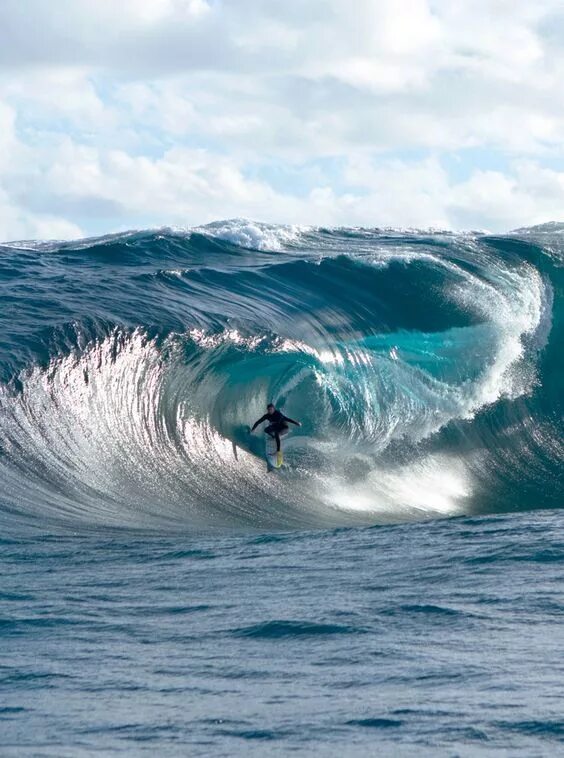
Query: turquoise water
x,y
395,588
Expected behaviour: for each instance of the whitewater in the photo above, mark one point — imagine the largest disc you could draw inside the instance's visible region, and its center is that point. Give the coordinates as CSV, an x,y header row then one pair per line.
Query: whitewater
x,y
164,594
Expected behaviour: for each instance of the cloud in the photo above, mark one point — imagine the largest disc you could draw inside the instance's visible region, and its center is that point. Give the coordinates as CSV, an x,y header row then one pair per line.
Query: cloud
x,y
405,112
23,224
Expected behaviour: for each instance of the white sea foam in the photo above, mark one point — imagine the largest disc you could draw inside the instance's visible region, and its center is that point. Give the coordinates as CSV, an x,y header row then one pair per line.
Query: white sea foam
x,y
436,485
252,234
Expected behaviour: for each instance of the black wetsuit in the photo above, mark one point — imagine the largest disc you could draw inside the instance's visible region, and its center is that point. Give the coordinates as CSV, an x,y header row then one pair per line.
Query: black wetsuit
x,y
278,425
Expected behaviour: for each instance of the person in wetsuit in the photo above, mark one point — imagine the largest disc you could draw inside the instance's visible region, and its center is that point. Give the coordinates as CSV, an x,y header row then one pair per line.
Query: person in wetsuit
x,y
278,424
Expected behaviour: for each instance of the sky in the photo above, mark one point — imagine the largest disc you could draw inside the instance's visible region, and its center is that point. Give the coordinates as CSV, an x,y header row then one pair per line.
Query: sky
x,y
128,114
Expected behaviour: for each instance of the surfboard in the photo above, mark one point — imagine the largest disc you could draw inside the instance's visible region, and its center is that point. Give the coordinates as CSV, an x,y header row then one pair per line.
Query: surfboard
x,y
274,459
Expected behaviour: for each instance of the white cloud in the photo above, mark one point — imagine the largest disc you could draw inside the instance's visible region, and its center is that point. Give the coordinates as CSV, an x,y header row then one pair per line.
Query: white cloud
x,y
8,141
62,93
183,111
20,224
494,199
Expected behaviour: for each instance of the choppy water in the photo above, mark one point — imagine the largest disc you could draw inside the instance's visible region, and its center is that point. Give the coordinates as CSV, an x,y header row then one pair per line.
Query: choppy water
x,y
442,638
163,594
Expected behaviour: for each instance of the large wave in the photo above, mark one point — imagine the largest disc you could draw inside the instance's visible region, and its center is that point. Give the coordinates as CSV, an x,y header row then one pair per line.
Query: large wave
x,y
425,368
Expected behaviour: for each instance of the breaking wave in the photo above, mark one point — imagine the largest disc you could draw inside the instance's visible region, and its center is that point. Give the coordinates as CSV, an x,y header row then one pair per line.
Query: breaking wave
x,y
426,369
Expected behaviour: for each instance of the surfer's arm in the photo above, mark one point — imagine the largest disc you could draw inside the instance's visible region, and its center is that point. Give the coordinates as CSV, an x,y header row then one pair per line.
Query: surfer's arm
x,y
291,421
254,426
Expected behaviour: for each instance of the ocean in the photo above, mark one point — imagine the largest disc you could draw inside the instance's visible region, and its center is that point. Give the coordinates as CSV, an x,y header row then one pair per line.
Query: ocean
x,y
395,589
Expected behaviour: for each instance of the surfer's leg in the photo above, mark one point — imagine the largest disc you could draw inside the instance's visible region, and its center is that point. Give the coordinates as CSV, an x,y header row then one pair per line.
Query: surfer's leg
x,y
270,430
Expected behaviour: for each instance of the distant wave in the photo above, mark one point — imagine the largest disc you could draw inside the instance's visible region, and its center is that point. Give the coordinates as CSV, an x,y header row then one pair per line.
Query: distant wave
x,y
426,368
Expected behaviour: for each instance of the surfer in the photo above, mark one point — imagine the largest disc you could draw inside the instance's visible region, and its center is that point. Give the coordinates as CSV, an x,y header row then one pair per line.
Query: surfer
x,y
278,424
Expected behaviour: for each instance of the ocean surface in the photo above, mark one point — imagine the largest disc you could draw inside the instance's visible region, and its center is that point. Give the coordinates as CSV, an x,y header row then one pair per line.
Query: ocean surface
x,y
395,589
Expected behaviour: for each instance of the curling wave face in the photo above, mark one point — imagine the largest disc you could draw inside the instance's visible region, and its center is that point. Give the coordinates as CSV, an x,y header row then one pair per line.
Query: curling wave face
x,y
425,369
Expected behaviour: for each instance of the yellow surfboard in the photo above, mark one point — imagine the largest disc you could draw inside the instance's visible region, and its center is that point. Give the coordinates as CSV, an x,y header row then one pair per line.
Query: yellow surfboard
x,y
274,458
